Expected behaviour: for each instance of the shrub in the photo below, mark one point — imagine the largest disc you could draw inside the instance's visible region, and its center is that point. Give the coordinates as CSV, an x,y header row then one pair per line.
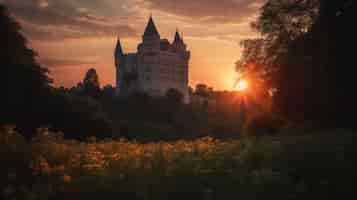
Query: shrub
x,y
263,124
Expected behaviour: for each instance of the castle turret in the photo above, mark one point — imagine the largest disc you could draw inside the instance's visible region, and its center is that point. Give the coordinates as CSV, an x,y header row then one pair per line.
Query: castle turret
x,y
118,54
151,32
178,42
151,39
178,38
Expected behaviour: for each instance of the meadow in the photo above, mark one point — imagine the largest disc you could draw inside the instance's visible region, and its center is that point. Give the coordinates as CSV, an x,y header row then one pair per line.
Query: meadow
x,y
297,166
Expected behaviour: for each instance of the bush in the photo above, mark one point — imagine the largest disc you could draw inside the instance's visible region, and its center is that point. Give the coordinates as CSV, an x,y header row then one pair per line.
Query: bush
x,y
263,124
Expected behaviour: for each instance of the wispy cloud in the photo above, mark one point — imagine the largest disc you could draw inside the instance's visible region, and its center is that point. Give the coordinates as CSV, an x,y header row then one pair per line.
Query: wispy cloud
x,y
57,62
209,11
62,20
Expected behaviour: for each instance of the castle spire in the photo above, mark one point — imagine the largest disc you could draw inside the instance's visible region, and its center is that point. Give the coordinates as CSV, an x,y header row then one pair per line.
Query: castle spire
x,y
118,48
151,29
118,52
177,37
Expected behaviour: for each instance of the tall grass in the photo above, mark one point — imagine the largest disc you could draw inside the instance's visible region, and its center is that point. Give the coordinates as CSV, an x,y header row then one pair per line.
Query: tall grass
x,y
296,167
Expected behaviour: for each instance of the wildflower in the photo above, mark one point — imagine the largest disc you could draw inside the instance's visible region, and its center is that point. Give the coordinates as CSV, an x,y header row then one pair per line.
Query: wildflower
x,y
66,178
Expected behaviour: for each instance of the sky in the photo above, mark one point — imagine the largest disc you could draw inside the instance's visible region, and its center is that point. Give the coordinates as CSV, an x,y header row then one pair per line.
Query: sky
x,y
71,36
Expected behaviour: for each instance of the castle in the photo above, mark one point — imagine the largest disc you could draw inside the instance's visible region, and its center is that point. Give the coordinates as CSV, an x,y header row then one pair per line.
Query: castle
x,y
156,67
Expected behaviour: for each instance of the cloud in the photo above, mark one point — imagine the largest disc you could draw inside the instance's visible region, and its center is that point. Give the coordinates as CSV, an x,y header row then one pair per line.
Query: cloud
x,y
55,33
60,19
74,19
209,11
58,62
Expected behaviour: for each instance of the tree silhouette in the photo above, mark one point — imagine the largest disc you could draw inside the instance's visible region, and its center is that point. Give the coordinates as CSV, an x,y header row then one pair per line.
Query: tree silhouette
x,y
91,86
334,29
295,56
202,90
24,83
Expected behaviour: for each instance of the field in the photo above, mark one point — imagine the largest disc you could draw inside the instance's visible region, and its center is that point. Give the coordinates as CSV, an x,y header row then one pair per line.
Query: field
x,y
299,166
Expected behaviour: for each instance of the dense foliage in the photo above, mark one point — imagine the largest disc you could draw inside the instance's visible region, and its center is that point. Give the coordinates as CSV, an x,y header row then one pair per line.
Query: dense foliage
x,y
288,167
24,83
303,55
29,101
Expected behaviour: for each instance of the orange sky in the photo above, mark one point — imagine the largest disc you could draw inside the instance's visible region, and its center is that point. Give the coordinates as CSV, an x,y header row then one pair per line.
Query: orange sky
x,y
74,35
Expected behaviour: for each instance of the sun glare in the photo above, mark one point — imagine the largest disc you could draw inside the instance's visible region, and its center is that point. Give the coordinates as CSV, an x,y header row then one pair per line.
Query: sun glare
x,y
242,85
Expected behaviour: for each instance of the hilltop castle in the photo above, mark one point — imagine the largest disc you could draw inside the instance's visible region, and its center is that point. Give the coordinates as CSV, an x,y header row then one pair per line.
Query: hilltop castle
x,y
156,67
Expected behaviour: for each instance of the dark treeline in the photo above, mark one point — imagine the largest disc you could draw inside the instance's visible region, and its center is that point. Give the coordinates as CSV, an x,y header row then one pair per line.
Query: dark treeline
x,y
28,100
302,58
141,117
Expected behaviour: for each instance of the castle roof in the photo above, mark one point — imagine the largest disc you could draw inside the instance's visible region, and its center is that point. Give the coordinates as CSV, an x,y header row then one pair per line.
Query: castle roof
x,y
118,49
178,38
151,28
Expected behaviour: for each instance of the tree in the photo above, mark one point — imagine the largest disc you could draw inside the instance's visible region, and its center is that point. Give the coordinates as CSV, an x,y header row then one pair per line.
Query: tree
x,y
334,30
24,83
201,90
281,22
91,86
76,116
292,58
254,67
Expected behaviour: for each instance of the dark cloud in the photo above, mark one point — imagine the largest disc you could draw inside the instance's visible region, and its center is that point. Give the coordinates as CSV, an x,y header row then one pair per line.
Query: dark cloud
x,y
209,11
59,19
53,33
58,62
72,19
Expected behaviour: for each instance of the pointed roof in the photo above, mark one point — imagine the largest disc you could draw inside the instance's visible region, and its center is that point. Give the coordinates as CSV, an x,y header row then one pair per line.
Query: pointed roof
x,y
151,28
118,48
177,37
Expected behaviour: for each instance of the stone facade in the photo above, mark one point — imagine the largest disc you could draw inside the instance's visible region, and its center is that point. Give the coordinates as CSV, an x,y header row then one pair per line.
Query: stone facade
x,y
157,66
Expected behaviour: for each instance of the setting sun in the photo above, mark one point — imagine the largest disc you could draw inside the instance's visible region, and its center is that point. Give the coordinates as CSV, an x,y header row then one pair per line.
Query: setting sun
x,y
242,85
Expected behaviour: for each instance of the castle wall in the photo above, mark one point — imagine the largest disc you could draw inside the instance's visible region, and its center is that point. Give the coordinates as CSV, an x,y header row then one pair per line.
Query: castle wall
x,y
157,72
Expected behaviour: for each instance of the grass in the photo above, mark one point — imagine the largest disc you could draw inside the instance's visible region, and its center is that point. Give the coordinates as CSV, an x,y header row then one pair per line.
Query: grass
x,y
317,166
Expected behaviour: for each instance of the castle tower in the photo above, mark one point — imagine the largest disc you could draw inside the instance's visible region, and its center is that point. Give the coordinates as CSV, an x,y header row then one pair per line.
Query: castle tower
x,y
149,58
119,64
151,38
177,38
118,53
178,42
151,32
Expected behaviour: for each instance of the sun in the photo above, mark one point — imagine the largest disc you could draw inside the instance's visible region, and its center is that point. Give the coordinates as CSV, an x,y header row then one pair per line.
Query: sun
x,y
242,85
